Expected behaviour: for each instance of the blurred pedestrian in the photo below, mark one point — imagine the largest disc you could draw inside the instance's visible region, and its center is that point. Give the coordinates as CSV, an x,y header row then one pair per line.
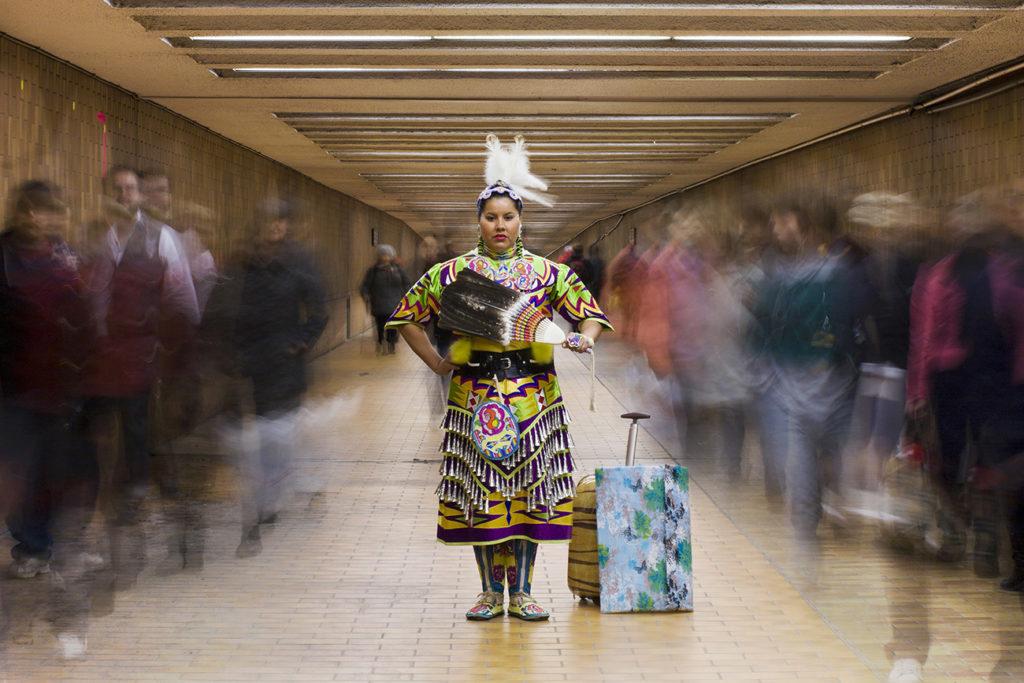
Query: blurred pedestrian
x,y
889,225
49,468
724,373
580,264
384,285
178,405
761,257
807,314
194,224
428,254
672,310
282,312
945,376
1008,460
144,306
43,341
627,273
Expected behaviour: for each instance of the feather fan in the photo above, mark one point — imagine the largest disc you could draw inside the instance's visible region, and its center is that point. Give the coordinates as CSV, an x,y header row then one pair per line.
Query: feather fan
x,y
511,165
477,305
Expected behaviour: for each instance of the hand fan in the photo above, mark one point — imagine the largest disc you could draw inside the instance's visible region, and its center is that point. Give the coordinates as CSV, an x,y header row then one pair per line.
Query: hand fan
x,y
477,305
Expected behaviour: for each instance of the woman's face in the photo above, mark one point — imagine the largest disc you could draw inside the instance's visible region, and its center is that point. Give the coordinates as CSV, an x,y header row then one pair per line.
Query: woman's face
x,y
40,223
786,230
499,224
275,231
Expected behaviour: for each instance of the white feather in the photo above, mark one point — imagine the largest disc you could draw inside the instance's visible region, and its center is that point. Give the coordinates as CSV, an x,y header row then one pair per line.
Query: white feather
x,y
511,165
499,161
521,166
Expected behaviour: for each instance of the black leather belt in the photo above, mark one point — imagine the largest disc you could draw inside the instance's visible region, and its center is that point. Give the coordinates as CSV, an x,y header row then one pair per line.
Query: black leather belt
x,y
509,365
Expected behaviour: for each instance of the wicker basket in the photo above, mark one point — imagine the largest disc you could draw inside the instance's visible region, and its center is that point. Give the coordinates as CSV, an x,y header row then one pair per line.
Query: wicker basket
x,y
584,579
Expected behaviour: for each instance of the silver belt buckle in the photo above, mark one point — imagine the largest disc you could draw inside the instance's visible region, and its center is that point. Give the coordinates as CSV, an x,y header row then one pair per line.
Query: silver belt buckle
x,y
505,363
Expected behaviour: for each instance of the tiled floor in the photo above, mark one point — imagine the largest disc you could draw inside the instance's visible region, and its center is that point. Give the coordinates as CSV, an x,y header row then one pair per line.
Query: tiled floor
x,y
352,586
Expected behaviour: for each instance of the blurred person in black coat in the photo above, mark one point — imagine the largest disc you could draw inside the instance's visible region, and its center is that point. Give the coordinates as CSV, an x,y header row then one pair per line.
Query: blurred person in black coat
x,y
384,285
281,314
47,466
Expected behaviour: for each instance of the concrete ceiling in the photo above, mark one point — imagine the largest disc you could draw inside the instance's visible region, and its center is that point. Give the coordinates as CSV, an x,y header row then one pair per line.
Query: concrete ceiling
x,y
612,123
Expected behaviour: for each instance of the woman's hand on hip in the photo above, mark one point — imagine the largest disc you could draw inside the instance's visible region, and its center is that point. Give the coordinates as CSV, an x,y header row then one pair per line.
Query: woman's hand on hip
x,y
443,366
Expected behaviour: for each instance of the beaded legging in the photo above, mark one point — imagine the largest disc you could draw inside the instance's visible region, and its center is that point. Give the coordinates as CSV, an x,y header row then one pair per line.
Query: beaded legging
x,y
508,563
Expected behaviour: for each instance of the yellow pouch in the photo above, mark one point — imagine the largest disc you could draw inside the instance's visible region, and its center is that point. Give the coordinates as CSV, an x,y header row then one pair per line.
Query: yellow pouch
x,y
460,349
542,353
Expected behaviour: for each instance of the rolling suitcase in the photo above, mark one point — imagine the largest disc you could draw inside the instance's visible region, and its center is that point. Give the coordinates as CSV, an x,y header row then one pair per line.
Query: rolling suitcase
x,y
630,549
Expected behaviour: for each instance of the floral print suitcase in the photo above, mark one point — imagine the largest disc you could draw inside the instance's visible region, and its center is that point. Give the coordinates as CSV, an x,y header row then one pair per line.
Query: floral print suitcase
x,y
643,536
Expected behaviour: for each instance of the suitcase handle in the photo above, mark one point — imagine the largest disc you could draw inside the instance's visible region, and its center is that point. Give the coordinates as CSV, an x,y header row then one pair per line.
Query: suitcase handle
x,y
634,428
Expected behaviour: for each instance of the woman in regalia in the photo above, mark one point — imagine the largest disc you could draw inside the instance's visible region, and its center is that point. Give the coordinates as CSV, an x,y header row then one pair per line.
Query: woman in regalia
x,y
507,471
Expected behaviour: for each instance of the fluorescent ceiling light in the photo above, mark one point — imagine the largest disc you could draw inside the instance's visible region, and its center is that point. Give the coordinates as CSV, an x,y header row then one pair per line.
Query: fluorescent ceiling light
x,y
650,144
475,176
396,70
355,38
794,38
326,69
540,38
308,39
575,183
643,118
508,70
441,153
461,205
400,70
556,38
907,5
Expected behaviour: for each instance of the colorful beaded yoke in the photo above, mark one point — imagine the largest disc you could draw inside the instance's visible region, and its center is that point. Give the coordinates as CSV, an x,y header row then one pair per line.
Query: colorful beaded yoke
x,y
539,473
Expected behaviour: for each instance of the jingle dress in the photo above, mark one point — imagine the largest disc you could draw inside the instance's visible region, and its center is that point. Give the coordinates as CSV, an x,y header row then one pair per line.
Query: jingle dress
x,y
529,495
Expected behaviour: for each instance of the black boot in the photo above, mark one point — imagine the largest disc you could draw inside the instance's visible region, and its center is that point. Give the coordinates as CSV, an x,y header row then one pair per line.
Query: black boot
x,y
986,560
1015,582
986,535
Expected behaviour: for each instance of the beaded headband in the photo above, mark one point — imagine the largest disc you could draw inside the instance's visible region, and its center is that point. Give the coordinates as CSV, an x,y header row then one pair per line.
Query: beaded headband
x,y
498,188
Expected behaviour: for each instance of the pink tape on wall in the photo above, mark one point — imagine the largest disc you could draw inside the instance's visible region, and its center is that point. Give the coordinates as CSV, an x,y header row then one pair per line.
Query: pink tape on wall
x,y
102,118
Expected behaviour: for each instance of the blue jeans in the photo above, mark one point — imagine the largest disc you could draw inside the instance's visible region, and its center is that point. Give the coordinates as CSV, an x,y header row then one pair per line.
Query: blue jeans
x,y
267,469
771,420
816,443
876,425
50,466
134,414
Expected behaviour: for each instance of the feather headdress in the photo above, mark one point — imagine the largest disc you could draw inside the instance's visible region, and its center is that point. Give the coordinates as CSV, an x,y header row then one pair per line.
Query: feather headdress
x,y
509,165
477,305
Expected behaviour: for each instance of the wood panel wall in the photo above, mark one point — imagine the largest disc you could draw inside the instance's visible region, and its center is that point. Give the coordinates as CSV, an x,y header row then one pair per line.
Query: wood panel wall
x,y
51,115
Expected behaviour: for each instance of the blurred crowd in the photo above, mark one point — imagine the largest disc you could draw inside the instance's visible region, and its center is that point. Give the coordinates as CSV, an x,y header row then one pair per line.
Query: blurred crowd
x,y
112,335
873,348
869,352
